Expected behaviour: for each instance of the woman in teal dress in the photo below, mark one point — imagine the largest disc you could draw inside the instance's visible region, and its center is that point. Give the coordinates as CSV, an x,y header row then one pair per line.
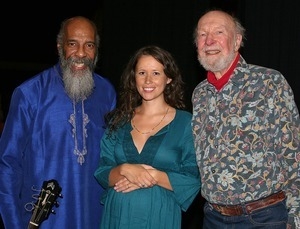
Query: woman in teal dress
x,y
147,162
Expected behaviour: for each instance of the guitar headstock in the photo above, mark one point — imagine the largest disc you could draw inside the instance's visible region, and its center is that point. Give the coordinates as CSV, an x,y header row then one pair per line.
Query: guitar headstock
x,y
46,200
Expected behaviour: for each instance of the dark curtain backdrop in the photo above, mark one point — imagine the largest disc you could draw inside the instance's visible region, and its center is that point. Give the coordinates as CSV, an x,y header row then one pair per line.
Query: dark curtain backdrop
x,y
28,41
273,37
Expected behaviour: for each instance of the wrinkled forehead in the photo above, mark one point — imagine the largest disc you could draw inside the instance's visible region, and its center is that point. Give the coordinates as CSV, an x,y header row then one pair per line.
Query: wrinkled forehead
x,y
80,25
216,19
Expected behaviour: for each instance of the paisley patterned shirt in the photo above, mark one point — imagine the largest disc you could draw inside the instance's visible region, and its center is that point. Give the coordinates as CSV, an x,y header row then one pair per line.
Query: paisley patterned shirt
x,y
247,138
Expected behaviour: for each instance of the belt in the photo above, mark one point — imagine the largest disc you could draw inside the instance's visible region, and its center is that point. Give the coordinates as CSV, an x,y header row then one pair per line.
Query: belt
x,y
234,210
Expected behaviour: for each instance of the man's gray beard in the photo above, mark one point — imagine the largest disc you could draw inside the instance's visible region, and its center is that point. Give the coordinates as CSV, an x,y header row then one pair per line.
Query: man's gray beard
x,y
78,84
219,65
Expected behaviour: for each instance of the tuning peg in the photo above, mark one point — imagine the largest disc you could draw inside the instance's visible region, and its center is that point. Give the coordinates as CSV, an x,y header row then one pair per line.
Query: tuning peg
x,y
53,212
56,203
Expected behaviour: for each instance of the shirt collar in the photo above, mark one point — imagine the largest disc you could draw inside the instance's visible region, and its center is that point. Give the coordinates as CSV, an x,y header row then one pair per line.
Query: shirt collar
x,y
219,83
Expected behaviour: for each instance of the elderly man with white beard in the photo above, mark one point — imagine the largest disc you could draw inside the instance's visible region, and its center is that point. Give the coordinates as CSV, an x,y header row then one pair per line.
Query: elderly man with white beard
x,y
246,132
53,131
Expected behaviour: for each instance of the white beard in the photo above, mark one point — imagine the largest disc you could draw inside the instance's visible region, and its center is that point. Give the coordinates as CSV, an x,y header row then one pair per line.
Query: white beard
x,y
217,65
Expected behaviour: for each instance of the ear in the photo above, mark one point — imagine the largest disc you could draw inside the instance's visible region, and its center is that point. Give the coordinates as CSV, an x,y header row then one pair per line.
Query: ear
x,y
238,41
169,80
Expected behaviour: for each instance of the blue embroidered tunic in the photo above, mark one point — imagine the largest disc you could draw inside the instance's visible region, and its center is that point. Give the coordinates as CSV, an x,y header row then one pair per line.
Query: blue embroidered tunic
x,y
247,138
46,137
170,150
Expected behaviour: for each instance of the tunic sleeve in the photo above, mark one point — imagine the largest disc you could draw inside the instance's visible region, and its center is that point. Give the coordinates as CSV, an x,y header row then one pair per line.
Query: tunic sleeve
x,y
186,182
12,145
107,159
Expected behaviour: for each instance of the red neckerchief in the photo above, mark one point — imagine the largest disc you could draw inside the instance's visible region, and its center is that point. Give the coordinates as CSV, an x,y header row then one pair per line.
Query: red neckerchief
x,y
219,83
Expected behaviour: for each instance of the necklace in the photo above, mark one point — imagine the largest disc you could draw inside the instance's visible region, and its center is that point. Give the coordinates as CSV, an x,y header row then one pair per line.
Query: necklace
x,y
148,132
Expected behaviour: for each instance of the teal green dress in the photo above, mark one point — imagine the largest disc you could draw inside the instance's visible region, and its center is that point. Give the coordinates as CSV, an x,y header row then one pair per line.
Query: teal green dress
x,y
170,150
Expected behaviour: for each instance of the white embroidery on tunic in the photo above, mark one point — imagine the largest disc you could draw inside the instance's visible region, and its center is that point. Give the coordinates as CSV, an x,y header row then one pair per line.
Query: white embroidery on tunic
x,y
85,121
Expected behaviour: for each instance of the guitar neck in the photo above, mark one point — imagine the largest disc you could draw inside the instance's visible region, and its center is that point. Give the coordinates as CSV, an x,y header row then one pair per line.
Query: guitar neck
x,y
43,206
35,219
32,225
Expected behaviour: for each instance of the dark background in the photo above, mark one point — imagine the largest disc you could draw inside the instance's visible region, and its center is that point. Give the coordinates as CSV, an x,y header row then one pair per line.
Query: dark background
x,y
28,38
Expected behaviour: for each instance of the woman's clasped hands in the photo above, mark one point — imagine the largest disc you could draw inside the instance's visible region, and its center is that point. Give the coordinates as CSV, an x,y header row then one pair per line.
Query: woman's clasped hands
x,y
136,176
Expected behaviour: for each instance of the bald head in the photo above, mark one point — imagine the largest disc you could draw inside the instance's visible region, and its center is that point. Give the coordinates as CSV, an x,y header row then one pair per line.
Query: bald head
x,y
223,19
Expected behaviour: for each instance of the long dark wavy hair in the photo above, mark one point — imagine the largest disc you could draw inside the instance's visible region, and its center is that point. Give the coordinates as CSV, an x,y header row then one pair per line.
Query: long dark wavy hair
x,y
129,98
